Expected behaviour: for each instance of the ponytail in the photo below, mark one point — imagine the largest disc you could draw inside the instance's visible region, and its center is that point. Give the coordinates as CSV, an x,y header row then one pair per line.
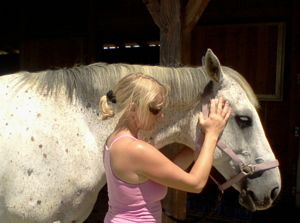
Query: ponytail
x,y
105,109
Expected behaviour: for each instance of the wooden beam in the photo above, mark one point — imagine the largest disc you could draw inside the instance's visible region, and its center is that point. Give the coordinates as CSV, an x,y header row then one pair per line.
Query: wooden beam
x,y
175,28
192,13
170,33
175,50
154,10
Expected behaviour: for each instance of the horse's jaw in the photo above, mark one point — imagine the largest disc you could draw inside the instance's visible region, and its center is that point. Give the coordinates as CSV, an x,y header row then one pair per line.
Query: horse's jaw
x,y
224,167
245,198
249,196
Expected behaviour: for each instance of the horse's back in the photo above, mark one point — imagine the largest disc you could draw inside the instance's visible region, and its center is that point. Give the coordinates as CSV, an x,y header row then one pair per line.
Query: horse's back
x,y
50,161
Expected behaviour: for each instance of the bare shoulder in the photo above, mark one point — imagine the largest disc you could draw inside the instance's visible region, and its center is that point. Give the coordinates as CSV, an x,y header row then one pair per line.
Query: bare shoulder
x,y
140,149
128,156
135,151
136,161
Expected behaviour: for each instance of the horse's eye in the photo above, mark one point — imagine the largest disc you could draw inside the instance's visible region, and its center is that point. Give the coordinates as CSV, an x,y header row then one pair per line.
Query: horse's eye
x,y
259,160
243,121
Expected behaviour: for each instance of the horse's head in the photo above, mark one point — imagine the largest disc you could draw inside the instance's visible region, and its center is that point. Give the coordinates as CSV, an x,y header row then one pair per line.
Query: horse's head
x,y
253,164
245,137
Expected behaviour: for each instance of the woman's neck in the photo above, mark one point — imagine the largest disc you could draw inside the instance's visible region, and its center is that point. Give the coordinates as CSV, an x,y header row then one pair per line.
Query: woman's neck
x,y
127,125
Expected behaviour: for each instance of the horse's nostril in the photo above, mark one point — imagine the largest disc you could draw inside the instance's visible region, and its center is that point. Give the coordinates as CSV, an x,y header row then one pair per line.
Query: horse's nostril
x,y
275,193
252,195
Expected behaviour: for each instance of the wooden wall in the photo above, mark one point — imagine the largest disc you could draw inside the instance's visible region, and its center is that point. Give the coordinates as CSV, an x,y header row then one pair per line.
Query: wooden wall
x,y
261,41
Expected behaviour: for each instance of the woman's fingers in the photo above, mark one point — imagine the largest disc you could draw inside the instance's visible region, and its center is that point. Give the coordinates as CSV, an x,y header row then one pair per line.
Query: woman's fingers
x,y
213,106
225,109
201,118
220,105
227,114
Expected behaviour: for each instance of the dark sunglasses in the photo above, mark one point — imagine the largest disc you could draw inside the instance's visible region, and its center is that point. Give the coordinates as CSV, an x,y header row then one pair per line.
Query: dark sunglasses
x,y
154,111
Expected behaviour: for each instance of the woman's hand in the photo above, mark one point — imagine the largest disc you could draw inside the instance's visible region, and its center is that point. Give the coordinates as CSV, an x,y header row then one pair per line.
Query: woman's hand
x,y
218,116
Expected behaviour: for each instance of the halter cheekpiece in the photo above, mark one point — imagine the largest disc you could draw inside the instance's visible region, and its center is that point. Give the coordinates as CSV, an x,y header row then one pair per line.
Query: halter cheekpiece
x,y
111,97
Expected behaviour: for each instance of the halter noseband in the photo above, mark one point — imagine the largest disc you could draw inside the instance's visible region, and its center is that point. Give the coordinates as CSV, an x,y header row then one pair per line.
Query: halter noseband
x,y
245,169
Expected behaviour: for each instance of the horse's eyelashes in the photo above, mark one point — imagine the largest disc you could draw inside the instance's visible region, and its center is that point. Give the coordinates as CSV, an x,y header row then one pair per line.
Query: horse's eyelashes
x,y
243,121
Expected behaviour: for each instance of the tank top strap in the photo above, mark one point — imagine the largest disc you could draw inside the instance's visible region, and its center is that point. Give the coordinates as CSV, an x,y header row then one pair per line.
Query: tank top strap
x,y
118,138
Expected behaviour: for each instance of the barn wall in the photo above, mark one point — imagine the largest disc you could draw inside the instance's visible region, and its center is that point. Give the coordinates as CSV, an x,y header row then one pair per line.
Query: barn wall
x,y
258,39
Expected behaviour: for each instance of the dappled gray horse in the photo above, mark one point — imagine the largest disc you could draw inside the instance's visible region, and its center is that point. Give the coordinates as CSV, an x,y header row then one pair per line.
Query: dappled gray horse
x,y
51,136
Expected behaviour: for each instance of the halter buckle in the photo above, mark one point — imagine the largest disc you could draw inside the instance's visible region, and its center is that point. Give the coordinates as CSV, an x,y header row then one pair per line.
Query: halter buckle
x,y
248,169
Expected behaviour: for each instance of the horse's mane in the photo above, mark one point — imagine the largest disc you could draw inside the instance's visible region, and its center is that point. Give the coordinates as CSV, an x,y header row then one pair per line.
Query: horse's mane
x,y
91,81
243,83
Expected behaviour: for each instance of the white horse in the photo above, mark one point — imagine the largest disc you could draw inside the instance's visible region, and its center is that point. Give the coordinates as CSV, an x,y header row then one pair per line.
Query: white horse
x,y
51,137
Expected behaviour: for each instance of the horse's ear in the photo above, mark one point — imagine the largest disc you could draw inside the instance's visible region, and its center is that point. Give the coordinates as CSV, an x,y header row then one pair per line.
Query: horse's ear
x,y
212,66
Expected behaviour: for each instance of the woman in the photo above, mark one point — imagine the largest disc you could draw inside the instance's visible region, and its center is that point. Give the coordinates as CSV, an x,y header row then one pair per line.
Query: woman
x,y
137,173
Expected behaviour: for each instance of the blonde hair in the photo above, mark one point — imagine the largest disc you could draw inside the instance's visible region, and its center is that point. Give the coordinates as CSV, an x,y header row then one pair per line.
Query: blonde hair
x,y
134,89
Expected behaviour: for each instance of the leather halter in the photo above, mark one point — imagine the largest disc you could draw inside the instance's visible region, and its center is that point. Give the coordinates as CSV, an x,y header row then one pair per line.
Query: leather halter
x,y
245,169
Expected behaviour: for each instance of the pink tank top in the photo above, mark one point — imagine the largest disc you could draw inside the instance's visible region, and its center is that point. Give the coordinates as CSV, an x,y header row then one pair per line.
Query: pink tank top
x,y
130,203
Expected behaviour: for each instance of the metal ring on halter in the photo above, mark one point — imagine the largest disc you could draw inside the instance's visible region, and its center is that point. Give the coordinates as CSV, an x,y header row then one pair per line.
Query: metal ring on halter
x,y
248,169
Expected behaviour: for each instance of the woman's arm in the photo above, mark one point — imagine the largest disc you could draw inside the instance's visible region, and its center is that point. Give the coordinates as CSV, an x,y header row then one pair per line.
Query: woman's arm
x,y
184,158
153,165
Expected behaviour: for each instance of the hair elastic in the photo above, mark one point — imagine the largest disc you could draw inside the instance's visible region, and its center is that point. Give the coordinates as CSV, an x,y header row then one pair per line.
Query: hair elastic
x,y
111,97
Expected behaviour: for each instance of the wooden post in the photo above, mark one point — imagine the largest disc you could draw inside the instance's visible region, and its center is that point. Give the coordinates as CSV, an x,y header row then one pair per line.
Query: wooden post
x,y
176,22
176,25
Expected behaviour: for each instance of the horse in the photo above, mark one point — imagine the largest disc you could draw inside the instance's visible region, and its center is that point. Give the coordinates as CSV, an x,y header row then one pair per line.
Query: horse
x,y
52,136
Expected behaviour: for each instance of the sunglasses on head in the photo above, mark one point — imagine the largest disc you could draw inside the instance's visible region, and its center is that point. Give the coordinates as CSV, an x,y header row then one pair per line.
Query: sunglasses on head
x,y
154,111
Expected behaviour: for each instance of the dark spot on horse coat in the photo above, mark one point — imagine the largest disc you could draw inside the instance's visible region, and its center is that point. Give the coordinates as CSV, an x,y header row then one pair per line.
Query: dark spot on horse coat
x,y
38,115
29,172
88,105
40,146
39,202
45,155
32,138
